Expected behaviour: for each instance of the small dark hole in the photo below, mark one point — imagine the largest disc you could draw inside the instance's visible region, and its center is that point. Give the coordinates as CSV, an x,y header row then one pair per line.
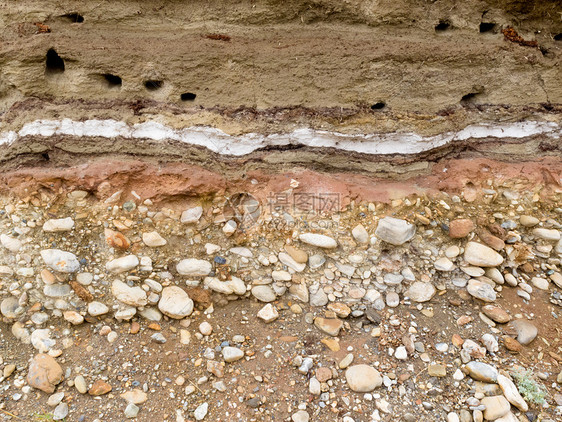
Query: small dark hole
x,y
487,26
152,85
469,98
113,80
45,156
188,96
558,37
74,17
378,106
442,26
54,63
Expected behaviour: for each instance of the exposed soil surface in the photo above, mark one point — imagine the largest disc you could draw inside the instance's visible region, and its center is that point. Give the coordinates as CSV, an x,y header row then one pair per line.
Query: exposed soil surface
x,y
179,363
134,360
160,279
409,56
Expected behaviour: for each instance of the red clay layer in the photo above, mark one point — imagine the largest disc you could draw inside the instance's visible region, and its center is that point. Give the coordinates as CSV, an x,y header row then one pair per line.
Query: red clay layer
x,y
177,181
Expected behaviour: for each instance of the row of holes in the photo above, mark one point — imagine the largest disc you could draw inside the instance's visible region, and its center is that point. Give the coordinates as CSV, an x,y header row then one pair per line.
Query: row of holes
x,y
54,64
443,25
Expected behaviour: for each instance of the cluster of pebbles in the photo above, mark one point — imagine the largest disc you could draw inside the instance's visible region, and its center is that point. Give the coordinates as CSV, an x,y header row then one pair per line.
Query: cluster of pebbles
x,y
76,260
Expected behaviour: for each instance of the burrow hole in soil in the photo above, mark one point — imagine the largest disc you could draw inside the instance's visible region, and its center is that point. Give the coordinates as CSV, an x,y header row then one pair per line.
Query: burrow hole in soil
x,y
45,156
487,27
112,80
188,96
378,106
544,51
54,63
74,17
442,25
558,37
153,85
469,98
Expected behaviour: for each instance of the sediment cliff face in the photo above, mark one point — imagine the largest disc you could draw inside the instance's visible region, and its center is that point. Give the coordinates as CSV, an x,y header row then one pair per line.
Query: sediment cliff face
x,y
381,88
408,56
274,210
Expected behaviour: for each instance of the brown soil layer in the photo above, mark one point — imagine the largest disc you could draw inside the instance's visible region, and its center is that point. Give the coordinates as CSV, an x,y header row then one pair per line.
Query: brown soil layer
x,y
176,181
405,55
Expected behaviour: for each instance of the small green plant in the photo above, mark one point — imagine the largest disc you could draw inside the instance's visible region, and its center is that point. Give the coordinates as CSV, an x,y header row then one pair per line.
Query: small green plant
x,y
42,417
531,390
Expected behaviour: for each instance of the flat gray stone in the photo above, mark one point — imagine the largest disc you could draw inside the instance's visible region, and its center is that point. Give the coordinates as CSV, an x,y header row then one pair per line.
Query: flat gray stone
x,y
481,371
201,411
191,215
300,416
395,231
393,279
540,283
58,225
232,354
318,240
56,290
360,234
132,296
194,267
288,260
481,290
547,234
511,393
9,306
11,243
363,378
97,308
60,412
316,261
392,299
264,293
496,407
444,264
175,302
317,296
131,411
268,313
481,255
61,261
420,291
526,331
123,264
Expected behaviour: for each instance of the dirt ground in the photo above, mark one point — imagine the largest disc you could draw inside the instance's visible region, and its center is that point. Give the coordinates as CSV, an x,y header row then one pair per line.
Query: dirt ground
x,y
134,360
